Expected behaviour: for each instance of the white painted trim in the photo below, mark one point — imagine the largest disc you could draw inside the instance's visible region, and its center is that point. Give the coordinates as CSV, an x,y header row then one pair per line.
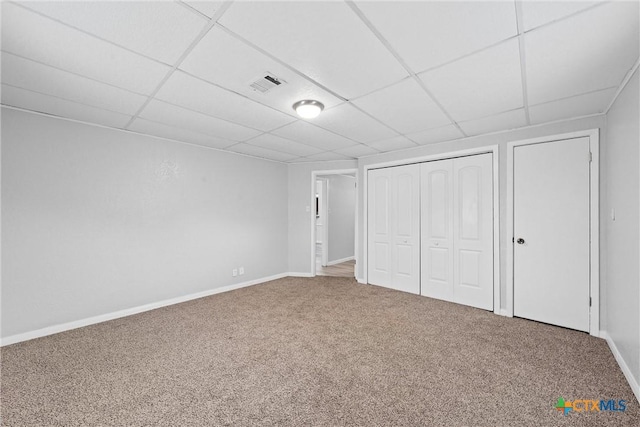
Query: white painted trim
x,y
623,84
493,149
299,274
50,330
339,261
594,287
633,383
361,281
314,177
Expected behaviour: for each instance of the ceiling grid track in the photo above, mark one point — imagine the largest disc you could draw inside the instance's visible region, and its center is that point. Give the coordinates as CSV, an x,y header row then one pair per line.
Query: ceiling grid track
x,y
523,63
395,54
182,57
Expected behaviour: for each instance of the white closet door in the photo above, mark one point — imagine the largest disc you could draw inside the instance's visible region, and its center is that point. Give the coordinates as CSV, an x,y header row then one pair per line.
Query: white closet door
x,y
436,187
405,216
457,230
394,228
552,232
379,227
473,231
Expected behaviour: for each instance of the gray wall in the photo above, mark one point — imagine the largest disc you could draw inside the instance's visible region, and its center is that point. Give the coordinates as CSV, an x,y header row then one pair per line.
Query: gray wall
x,y
622,183
96,220
500,139
341,218
301,203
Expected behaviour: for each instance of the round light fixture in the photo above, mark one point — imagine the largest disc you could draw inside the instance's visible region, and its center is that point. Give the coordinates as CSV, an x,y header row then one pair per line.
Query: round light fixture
x,y
308,108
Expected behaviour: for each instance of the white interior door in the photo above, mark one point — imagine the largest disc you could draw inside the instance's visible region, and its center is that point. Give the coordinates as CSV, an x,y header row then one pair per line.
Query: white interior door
x,y
394,228
379,227
457,230
552,232
473,231
436,186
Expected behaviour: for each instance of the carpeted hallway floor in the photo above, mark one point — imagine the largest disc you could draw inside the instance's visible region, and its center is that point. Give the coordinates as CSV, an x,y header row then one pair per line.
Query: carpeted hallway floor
x,y
321,351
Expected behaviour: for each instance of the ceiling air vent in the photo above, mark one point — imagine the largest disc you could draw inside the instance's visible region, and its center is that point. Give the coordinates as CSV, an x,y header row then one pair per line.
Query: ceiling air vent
x,y
266,82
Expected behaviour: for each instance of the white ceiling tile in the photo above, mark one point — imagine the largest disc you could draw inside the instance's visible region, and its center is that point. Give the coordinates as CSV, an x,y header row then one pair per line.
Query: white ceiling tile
x,y
591,51
479,85
160,30
170,132
190,92
311,135
441,134
273,142
36,77
227,62
536,13
357,151
350,122
182,118
328,156
581,105
30,35
404,107
208,8
33,101
503,121
430,33
264,153
347,57
392,144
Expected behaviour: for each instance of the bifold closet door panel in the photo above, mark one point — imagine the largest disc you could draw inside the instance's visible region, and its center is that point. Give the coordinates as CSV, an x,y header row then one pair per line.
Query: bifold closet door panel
x,y
405,217
393,210
473,231
436,186
379,227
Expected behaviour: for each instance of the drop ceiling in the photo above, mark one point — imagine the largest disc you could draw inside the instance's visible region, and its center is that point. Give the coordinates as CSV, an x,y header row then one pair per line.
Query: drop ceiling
x,y
392,75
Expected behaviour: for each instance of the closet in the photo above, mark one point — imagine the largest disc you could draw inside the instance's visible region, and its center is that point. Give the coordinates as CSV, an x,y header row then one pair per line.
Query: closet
x,y
430,229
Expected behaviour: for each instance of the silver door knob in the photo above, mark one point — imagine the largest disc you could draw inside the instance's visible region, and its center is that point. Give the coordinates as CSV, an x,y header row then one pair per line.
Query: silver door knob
x,y
520,241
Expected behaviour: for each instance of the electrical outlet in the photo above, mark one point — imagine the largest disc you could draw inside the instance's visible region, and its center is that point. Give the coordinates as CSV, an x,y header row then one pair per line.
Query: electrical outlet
x,y
241,271
234,272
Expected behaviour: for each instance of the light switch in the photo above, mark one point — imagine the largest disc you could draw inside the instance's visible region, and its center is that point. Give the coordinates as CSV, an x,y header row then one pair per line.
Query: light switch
x,y
613,214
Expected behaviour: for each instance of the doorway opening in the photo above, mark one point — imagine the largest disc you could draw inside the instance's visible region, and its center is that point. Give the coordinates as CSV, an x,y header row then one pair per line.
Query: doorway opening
x,y
334,216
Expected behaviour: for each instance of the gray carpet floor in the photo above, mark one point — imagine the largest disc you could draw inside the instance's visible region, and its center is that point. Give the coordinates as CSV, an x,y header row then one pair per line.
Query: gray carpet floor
x,y
321,351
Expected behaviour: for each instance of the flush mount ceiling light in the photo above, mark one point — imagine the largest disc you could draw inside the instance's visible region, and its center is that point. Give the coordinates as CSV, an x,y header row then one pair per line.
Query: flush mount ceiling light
x,y
308,108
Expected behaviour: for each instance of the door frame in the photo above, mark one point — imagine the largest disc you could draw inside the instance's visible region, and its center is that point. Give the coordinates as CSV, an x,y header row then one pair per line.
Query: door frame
x,y
493,149
314,177
594,218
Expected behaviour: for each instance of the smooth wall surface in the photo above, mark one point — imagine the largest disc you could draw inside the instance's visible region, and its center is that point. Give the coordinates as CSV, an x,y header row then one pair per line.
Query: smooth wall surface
x,y
623,233
301,203
342,217
500,139
96,220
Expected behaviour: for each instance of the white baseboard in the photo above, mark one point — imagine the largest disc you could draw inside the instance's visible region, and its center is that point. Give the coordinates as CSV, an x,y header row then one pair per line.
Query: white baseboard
x,y
340,261
298,274
361,281
623,365
50,330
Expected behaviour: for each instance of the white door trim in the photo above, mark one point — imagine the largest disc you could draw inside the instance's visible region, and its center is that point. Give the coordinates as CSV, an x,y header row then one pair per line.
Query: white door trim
x,y
312,214
594,174
494,149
